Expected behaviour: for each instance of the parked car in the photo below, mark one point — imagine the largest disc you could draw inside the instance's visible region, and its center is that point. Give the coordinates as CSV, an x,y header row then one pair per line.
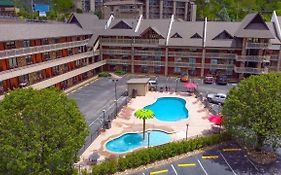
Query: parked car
x,y
153,84
216,98
221,80
184,77
209,79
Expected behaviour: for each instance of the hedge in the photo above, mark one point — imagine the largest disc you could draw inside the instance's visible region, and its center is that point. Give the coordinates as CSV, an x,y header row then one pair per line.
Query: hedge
x,y
152,154
120,72
104,74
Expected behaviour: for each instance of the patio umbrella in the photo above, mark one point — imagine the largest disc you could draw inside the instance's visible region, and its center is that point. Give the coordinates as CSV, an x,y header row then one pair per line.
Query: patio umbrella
x,y
190,85
94,157
216,119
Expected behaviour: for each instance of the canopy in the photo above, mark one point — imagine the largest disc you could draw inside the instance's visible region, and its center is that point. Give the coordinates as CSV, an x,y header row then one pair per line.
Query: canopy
x,y
217,119
190,85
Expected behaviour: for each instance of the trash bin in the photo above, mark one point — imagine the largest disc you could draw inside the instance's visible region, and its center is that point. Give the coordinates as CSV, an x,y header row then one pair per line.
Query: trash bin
x,y
107,124
134,93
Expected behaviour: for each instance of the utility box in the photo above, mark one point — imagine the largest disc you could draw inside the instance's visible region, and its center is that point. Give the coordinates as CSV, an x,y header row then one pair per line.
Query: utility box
x,y
138,86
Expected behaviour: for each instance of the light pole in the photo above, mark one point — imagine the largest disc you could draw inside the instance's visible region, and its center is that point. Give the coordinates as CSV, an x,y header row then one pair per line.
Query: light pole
x,y
148,139
186,131
103,111
177,81
115,89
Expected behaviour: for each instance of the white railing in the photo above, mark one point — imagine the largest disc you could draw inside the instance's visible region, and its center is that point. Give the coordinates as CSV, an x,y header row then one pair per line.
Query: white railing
x,y
221,55
249,70
251,45
129,41
38,49
184,64
149,53
184,54
118,61
253,58
149,63
4,75
116,52
219,66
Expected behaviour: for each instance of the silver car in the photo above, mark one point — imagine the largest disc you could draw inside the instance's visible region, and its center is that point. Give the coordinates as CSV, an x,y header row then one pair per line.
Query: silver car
x,y
216,98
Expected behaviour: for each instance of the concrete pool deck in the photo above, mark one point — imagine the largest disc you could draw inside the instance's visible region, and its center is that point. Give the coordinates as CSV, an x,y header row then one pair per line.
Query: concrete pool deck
x,y
126,122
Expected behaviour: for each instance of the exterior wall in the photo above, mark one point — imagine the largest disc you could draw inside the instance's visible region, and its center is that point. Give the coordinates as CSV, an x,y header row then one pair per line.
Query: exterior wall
x,y
142,89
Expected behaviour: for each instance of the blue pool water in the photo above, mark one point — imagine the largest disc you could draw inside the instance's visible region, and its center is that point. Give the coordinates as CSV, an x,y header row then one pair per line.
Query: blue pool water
x,y
131,141
169,109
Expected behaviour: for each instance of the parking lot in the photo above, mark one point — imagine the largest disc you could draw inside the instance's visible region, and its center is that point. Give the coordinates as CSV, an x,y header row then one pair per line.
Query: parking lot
x,y
228,159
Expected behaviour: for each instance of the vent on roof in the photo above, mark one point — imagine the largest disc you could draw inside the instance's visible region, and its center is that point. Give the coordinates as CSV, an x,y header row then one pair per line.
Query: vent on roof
x,y
223,35
176,35
257,23
196,36
151,33
121,25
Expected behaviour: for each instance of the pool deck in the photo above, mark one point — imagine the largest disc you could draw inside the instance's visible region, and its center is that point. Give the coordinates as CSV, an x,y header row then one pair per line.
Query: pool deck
x,y
126,122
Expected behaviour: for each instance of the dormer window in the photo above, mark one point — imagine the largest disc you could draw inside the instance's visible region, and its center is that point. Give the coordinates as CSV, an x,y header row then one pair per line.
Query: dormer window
x,y
196,36
176,35
224,35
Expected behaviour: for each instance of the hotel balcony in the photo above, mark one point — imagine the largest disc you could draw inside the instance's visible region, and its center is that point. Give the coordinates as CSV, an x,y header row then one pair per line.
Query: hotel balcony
x,y
251,45
184,64
149,53
149,63
4,75
221,55
274,57
66,76
250,70
185,54
253,58
116,52
129,42
219,66
118,61
40,49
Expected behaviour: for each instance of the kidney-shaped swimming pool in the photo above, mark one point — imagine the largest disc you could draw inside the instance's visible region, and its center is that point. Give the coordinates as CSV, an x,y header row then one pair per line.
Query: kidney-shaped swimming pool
x,y
169,109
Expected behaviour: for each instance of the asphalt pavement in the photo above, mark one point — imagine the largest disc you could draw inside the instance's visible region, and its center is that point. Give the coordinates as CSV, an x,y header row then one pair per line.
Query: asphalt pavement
x,y
227,159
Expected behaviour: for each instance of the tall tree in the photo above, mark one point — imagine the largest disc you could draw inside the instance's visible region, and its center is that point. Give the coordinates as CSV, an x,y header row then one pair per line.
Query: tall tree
x,y
252,110
40,132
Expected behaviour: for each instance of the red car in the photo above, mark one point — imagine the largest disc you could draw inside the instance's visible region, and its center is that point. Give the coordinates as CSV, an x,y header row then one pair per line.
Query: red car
x,y
209,79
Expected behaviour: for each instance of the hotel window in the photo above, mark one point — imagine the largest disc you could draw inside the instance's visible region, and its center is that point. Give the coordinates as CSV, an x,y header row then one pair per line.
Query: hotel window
x,y
230,61
56,40
13,62
46,56
229,72
45,41
26,43
56,70
192,60
24,79
58,53
65,67
214,61
144,69
10,45
178,59
177,70
39,75
28,59
157,69
70,52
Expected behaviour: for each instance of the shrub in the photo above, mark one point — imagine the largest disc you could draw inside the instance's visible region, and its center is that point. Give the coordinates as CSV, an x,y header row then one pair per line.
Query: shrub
x,y
120,72
104,74
150,155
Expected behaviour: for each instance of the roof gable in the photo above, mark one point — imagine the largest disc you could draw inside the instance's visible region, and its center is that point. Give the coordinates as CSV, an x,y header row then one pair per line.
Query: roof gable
x,y
121,25
196,36
151,32
256,22
223,35
176,35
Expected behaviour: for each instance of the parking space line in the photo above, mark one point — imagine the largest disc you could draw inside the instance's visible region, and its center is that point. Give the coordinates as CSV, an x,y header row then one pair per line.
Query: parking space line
x,y
158,172
227,163
210,157
253,165
231,149
174,169
186,164
202,167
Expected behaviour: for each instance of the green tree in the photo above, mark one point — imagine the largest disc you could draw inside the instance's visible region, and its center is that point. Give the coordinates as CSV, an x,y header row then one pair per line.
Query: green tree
x,y
40,132
144,114
252,110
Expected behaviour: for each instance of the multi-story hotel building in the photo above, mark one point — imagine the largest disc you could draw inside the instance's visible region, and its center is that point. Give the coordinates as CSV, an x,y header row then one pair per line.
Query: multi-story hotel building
x,y
61,55
150,9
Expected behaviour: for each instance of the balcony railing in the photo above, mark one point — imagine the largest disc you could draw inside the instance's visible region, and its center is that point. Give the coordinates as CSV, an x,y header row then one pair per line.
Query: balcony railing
x,y
274,57
250,70
118,61
184,64
221,55
4,75
116,52
149,53
251,45
130,41
38,49
149,63
219,66
185,54
253,58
